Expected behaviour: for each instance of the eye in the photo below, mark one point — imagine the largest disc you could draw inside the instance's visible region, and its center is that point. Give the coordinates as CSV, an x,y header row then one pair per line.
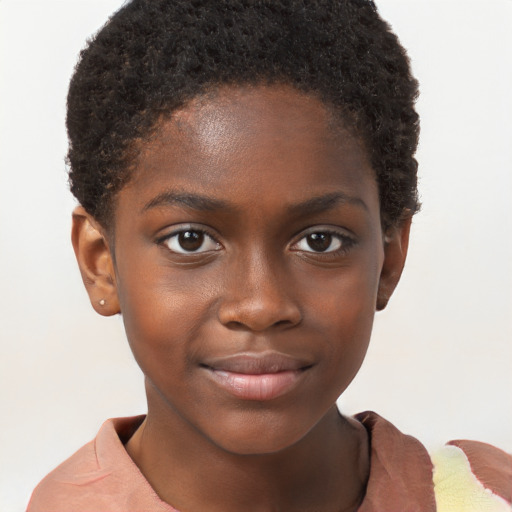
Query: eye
x,y
323,242
188,241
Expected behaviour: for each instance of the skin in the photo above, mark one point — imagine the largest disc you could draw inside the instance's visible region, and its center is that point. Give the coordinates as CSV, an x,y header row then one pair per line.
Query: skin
x,y
286,172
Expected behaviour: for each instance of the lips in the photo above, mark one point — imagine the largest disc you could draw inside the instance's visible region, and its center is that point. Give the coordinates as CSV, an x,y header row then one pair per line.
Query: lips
x,y
253,376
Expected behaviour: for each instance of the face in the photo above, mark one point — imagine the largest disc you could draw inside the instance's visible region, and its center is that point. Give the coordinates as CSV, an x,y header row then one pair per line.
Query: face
x,y
248,261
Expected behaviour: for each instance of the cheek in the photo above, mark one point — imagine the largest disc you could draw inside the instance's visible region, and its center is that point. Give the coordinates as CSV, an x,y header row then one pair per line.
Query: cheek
x,y
343,314
346,297
162,313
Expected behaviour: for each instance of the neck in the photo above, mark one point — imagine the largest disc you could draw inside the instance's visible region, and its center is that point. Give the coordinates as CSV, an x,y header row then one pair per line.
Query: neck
x,y
325,471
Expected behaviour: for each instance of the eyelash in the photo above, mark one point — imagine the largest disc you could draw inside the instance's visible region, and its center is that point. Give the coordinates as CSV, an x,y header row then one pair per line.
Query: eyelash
x,y
346,242
167,239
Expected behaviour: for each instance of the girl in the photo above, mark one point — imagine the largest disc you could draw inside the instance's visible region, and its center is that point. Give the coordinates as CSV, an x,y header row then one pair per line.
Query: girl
x,y
246,178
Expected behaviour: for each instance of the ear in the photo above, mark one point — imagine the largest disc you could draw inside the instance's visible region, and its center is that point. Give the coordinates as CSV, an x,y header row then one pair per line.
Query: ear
x,y
396,242
95,261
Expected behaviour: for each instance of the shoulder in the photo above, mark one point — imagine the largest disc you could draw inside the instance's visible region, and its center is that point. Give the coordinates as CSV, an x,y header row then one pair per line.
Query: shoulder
x,y
64,486
472,474
463,476
100,476
400,469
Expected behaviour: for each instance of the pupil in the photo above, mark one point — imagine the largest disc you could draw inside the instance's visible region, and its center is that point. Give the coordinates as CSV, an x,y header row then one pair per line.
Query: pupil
x,y
190,240
319,242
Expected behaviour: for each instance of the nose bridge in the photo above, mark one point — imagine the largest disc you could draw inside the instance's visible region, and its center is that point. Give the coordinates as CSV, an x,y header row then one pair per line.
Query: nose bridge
x,y
257,294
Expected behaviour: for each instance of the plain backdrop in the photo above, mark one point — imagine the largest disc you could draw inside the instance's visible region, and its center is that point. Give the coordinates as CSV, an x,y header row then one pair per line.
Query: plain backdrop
x,y
440,363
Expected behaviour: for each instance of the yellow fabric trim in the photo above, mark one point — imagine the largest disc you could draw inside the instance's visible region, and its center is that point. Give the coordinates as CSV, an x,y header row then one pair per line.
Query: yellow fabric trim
x,y
457,489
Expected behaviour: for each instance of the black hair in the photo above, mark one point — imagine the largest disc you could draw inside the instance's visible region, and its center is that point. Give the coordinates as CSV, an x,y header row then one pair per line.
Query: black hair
x,y
152,56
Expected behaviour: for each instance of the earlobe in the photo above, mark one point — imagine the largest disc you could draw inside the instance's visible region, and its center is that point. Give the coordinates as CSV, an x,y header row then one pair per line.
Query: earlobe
x,y
396,243
95,262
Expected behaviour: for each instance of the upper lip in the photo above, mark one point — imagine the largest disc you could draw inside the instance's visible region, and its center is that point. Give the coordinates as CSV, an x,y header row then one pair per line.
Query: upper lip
x,y
253,363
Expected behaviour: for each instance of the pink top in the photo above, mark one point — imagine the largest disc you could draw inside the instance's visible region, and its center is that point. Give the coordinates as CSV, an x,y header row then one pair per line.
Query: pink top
x,y
102,477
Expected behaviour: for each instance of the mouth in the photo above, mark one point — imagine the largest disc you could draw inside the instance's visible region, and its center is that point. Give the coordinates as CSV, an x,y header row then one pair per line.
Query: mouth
x,y
257,376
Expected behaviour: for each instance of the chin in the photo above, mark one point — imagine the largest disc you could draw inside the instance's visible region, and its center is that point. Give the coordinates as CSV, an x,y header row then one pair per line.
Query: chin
x,y
263,437
259,446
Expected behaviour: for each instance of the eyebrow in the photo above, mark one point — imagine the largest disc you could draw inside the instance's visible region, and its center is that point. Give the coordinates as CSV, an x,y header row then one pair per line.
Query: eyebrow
x,y
325,202
195,201
206,203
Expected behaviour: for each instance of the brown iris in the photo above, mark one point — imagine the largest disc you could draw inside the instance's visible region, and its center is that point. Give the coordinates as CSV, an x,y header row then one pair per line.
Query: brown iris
x,y
191,240
319,242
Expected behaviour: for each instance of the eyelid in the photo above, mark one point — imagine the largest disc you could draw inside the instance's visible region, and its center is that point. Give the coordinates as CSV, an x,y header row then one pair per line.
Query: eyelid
x,y
188,227
347,239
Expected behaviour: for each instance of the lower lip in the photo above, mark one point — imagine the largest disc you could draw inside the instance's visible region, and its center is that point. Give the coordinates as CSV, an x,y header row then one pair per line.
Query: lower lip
x,y
262,387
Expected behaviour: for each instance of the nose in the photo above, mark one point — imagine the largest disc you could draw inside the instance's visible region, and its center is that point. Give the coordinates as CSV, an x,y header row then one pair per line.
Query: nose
x,y
257,297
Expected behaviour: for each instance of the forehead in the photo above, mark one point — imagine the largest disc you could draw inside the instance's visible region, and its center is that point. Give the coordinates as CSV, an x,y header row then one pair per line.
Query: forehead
x,y
275,111
255,142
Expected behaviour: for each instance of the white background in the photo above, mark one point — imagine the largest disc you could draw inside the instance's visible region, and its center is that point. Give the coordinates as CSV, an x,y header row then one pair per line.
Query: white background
x,y
440,364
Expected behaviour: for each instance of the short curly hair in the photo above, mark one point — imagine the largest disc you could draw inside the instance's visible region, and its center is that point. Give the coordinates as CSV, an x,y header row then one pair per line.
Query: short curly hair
x,y
153,56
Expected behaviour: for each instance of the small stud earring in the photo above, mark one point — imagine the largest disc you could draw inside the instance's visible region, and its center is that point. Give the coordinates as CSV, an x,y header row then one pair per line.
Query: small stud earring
x,y
102,302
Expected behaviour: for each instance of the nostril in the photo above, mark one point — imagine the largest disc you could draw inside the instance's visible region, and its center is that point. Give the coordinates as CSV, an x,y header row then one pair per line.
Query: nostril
x,y
258,324
248,317
280,323
235,326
